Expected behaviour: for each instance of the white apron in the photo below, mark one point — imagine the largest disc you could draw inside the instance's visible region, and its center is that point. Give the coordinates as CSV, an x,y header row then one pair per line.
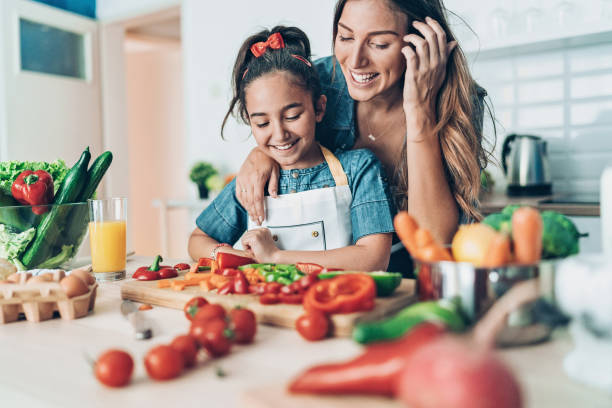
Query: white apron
x,y
313,220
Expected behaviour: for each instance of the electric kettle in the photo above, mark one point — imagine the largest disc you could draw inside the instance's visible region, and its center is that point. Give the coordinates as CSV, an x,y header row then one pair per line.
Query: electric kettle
x,y
525,164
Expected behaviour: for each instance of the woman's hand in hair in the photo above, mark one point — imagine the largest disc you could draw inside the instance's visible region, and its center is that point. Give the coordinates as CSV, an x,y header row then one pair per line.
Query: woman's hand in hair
x,y
426,58
257,170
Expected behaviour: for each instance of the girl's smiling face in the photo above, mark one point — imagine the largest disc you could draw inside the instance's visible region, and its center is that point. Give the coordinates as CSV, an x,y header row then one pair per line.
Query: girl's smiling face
x,y
283,119
368,48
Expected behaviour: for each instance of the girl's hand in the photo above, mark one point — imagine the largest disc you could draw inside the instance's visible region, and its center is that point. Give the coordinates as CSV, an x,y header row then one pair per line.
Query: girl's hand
x,y
425,69
257,170
260,243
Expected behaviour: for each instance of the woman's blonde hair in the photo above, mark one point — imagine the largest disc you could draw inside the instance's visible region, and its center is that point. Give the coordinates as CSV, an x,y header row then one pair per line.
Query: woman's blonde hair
x,y
459,110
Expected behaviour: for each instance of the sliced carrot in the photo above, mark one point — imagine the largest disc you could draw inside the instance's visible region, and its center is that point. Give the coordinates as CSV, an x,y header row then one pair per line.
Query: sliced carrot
x,y
206,285
200,276
218,280
527,235
498,253
405,227
145,307
164,283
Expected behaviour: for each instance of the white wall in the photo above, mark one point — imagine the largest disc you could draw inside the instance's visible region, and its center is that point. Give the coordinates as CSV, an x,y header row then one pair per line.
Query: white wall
x,y
211,37
108,10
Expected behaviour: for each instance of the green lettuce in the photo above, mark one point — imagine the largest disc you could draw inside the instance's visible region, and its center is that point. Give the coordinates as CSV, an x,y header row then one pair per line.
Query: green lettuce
x,y
13,243
9,171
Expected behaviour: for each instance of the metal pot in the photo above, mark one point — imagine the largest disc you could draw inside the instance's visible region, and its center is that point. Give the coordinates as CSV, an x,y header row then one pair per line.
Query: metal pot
x,y
476,289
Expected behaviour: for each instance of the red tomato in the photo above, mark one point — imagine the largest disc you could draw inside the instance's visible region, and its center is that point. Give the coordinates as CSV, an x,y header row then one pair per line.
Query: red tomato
x,y
196,330
217,338
307,281
193,306
188,347
209,311
273,287
114,368
164,363
244,325
312,326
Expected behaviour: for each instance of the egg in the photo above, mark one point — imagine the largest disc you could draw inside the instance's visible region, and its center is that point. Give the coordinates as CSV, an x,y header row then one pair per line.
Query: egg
x,y
73,286
39,279
19,277
84,275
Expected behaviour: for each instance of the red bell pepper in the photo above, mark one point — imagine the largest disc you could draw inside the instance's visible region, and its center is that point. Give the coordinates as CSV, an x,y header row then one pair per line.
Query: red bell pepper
x,y
33,188
181,266
309,268
342,294
225,260
154,271
375,372
240,283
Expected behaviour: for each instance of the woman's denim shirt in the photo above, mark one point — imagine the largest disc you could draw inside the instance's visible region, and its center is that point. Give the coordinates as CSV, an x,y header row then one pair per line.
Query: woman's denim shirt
x,y
225,220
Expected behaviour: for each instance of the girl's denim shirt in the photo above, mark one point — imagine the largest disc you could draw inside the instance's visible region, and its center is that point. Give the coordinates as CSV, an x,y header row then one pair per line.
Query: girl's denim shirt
x,y
225,220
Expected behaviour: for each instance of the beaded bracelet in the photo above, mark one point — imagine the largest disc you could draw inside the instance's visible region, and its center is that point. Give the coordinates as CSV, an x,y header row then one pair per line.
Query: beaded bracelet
x,y
213,253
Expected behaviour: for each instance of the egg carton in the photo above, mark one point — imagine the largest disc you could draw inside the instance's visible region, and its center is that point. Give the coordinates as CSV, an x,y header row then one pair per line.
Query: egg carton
x,y
39,301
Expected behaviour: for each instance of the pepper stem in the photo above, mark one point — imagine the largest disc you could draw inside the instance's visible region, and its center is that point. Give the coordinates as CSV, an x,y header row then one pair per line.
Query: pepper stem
x,y
155,264
30,179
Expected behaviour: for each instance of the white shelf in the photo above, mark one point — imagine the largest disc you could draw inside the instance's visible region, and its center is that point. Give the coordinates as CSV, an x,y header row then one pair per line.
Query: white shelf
x,y
538,42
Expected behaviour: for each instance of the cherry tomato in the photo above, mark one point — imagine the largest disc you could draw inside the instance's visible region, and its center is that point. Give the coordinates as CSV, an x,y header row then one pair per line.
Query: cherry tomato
x,y
181,266
307,281
193,306
273,287
188,347
164,363
217,338
196,330
167,273
292,299
114,368
269,299
312,326
244,325
209,311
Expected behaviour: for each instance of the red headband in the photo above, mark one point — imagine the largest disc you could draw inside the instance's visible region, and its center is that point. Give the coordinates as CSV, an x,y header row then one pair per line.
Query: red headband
x,y
274,41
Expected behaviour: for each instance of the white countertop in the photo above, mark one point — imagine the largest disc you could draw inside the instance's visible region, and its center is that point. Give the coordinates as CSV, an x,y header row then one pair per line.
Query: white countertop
x,y
44,364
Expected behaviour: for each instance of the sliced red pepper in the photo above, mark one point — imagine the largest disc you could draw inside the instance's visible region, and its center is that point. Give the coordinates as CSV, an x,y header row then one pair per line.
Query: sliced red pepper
x,y
342,294
309,268
241,286
226,289
375,372
33,188
205,261
230,272
182,266
273,287
225,260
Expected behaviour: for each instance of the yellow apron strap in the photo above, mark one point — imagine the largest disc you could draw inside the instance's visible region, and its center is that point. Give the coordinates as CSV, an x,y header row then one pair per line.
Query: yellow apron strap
x,y
335,167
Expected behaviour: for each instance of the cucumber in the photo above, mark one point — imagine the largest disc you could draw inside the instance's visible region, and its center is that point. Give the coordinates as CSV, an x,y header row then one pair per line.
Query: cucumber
x,y
49,231
12,216
76,225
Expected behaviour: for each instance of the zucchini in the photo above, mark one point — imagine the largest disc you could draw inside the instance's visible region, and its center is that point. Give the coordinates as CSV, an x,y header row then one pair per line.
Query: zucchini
x,y
49,231
76,225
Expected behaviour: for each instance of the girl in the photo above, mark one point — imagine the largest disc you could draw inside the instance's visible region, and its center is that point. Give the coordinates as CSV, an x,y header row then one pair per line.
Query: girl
x,y
331,210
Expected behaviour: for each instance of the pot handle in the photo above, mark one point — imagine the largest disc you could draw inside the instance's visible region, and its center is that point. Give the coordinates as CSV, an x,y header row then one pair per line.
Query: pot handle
x,y
506,151
493,321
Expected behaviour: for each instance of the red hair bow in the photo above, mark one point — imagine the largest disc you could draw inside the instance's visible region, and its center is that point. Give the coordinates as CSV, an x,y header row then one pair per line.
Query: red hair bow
x,y
274,41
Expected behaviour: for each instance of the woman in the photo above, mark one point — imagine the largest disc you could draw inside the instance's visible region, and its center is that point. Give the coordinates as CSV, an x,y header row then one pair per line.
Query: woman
x,y
399,86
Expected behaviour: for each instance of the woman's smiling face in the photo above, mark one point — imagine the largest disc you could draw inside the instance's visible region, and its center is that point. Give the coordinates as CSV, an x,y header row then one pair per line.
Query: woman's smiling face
x,y
283,119
368,47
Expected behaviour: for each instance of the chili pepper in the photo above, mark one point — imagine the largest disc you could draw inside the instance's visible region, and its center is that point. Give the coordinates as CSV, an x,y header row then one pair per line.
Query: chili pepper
x,y
226,260
309,268
33,188
241,286
343,294
374,372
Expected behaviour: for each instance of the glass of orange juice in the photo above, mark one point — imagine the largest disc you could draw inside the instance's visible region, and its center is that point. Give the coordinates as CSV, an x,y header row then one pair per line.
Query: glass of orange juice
x,y
107,237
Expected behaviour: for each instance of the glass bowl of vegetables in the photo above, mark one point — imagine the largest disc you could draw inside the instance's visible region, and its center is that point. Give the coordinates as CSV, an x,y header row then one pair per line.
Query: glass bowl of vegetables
x,y
42,236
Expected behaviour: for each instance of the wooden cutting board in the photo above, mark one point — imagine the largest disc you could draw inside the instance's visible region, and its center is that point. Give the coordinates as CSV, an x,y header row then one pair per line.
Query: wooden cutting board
x,y
278,397
279,315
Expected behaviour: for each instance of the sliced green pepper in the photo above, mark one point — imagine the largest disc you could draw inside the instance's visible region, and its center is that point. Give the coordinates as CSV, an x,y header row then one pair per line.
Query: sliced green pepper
x,y
386,282
284,281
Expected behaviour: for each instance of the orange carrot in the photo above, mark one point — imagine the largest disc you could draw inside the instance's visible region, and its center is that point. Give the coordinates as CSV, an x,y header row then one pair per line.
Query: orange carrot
x,y
433,253
498,253
163,283
206,285
405,227
145,306
527,235
423,238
